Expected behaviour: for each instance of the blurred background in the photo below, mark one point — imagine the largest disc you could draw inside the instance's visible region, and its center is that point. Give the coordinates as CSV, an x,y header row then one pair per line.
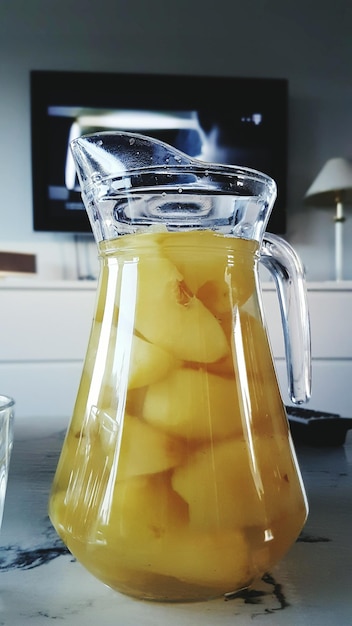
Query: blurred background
x,y
309,44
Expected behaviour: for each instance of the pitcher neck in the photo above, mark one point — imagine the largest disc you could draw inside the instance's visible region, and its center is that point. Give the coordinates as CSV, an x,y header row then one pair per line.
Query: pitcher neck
x,y
131,182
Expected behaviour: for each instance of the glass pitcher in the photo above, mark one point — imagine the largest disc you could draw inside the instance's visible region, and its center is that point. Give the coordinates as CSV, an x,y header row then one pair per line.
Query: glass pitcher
x,y
178,479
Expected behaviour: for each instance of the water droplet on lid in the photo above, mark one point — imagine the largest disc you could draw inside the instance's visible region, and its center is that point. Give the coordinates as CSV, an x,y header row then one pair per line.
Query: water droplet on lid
x,y
180,190
132,141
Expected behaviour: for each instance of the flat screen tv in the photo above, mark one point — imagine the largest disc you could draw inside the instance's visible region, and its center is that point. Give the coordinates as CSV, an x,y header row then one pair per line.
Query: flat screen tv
x,y
241,121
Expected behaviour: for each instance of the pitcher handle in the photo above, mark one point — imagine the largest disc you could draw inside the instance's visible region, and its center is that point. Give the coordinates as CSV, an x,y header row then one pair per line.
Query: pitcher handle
x,y
285,266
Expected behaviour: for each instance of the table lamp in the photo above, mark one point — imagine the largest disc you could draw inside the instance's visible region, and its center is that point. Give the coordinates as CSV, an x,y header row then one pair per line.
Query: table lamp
x,y
333,186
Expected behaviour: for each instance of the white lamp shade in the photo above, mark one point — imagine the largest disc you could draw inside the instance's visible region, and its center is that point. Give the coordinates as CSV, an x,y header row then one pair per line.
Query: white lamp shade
x,y
333,181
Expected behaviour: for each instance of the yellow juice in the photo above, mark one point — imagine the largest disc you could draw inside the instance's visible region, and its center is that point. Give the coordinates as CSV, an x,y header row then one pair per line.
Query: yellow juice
x,y
177,479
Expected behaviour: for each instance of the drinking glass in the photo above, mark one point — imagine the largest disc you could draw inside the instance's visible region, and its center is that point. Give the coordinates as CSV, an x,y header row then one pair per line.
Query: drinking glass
x,y
7,406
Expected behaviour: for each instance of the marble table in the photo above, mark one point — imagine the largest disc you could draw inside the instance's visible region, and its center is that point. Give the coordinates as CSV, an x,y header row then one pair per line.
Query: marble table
x,y
41,583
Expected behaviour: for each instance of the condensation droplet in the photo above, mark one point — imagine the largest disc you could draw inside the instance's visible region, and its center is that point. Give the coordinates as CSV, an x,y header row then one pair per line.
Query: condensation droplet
x,y
132,141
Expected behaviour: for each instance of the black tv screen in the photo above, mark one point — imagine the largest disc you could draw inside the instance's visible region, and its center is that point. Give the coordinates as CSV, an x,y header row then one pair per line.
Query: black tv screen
x,y
239,121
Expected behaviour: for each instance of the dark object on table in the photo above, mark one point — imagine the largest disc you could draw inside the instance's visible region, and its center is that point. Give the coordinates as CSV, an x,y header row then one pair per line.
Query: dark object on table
x,y
317,428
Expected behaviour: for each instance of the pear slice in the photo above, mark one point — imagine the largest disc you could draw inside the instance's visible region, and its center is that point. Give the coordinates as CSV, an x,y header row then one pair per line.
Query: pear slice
x,y
243,484
219,560
209,261
194,404
149,363
143,509
170,316
147,450
227,498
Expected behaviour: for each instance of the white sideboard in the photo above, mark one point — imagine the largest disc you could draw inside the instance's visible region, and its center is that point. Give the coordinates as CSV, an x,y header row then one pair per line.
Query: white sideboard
x,y
44,329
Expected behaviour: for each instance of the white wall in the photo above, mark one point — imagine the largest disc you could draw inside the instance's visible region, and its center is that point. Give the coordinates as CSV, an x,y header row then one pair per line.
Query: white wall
x,y
309,43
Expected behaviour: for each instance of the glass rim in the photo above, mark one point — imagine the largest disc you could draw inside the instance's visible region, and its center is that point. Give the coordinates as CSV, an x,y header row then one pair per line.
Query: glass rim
x,y
6,402
177,162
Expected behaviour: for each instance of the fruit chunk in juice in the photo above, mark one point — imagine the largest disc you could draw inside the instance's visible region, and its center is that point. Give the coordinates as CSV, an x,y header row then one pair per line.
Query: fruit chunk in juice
x,y
177,479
